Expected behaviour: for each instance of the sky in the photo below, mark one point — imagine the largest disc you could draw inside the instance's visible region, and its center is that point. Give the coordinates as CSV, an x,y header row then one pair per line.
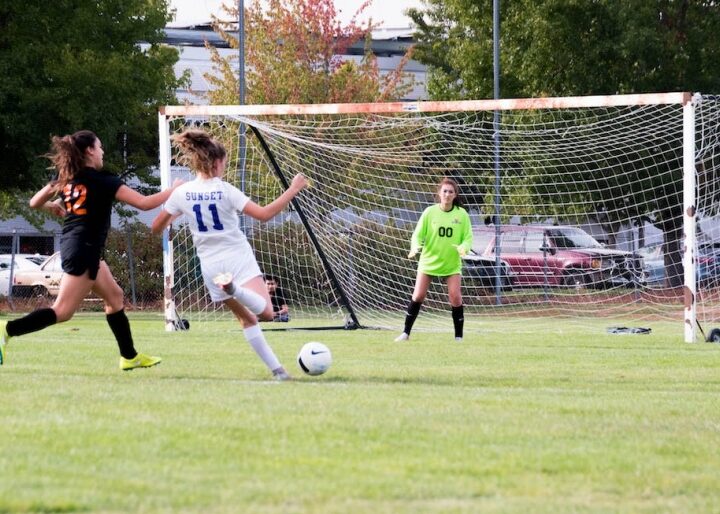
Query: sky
x,y
389,12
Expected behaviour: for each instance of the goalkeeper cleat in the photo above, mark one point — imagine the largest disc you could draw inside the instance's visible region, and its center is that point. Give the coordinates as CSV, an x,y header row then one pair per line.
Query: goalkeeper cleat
x,y
224,280
281,375
4,339
139,361
402,337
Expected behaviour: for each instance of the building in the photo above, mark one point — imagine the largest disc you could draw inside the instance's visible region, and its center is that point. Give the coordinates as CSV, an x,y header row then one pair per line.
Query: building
x,y
388,45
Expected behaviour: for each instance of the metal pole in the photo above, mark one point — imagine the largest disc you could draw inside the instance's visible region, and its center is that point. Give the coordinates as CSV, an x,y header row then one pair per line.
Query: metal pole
x,y
242,150
496,140
689,219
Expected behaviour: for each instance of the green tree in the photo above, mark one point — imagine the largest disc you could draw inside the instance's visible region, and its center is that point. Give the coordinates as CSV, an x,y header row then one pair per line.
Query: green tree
x,y
580,47
68,65
569,47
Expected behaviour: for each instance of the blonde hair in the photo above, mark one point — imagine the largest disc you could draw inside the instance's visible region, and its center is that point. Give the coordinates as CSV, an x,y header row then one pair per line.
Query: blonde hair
x,y
67,154
198,150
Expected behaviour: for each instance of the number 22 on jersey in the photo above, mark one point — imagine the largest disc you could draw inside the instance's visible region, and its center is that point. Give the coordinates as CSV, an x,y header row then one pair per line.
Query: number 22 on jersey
x,y
202,227
74,196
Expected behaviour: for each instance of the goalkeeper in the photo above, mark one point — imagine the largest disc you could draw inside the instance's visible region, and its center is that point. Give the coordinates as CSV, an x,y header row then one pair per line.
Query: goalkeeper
x,y
442,236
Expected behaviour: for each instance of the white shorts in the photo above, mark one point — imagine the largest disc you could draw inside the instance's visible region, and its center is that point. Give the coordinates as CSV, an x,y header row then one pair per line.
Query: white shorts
x,y
243,269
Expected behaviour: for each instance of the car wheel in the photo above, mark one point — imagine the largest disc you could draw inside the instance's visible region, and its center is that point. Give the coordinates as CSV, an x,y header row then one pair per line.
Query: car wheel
x,y
574,278
40,292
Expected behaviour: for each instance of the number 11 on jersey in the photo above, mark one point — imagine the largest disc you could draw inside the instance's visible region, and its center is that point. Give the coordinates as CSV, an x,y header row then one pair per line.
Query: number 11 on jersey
x,y
202,227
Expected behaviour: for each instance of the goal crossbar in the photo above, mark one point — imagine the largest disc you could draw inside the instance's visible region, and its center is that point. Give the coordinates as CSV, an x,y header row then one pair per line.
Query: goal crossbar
x,y
570,102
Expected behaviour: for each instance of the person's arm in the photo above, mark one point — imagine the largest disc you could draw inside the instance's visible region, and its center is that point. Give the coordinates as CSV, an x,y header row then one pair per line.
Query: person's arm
x,y
161,221
467,237
43,200
145,203
269,211
418,236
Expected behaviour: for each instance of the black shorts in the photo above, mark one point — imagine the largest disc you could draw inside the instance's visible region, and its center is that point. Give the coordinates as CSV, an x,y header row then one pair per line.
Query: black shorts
x,y
79,257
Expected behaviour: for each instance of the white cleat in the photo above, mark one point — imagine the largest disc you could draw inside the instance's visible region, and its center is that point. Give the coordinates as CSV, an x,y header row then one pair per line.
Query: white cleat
x,y
402,337
224,280
281,375
458,339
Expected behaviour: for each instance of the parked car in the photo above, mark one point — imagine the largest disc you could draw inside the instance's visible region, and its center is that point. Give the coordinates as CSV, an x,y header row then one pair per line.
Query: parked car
x,y
479,271
707,258
22,262
558,256
43,280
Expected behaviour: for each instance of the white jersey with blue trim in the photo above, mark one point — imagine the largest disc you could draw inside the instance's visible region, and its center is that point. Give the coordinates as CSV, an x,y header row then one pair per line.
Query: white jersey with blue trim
x,y
212,207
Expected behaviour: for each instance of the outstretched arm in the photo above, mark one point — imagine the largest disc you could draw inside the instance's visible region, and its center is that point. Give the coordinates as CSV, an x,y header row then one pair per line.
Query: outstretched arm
x,y
131,197
267,212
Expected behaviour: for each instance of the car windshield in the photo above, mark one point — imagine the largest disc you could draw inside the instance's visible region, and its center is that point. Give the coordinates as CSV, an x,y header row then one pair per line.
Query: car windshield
x,y
481,240
571,238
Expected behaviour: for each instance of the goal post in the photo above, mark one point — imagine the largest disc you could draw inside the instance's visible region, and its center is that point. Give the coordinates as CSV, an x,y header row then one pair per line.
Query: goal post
x,y
620,168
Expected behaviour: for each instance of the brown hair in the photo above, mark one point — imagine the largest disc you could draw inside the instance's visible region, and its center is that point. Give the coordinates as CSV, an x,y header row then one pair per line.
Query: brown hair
x,y
198,150
67,154
447,181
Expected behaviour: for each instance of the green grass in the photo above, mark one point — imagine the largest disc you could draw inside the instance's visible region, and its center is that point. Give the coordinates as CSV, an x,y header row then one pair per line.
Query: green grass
x,y
572,421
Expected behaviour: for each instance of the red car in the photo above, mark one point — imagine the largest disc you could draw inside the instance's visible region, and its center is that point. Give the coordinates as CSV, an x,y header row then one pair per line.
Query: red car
x,y
558,256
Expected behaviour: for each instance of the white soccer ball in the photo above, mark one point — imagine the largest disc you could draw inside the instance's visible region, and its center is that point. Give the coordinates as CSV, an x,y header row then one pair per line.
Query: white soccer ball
x,y
314,358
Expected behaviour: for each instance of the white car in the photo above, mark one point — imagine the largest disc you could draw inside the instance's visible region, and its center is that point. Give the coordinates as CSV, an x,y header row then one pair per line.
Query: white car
x,y
22,262
43,280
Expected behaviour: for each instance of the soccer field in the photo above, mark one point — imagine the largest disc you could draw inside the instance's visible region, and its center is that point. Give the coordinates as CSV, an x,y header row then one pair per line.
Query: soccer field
x,y
574,421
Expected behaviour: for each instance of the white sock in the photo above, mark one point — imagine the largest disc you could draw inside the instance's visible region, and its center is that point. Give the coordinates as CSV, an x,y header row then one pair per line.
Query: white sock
x,y
255,337
250,299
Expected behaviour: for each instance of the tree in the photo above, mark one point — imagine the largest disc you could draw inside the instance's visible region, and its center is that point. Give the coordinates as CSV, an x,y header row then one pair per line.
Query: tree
x,y
70,65
293,55
569,47
579,47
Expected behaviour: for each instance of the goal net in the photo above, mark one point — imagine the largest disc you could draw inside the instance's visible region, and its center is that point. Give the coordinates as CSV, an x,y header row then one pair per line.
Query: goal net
x,y
582,207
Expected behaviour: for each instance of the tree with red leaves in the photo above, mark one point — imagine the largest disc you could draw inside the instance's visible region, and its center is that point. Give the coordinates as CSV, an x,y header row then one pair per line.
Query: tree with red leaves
x,y
294,54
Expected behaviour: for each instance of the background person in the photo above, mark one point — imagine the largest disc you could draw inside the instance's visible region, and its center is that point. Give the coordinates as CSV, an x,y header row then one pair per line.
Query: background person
x,y
442,236
230,270
281,311
87,195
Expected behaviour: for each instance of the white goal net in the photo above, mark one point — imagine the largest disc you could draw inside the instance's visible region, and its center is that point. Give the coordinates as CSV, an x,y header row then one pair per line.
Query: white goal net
x,y
581,207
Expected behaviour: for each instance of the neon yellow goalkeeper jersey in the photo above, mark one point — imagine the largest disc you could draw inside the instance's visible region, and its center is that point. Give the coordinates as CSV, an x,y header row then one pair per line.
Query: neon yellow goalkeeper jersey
x,y
437,236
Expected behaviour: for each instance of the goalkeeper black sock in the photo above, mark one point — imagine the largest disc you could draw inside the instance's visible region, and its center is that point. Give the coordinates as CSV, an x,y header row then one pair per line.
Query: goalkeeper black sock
x,y
36,320
458,317
120,326
412,313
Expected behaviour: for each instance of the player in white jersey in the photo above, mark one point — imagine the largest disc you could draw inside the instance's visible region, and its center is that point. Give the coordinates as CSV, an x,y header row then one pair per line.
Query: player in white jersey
x,y
228,263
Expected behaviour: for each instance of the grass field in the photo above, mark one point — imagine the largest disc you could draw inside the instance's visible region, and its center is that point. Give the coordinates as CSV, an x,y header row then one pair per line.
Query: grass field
x,y
573,421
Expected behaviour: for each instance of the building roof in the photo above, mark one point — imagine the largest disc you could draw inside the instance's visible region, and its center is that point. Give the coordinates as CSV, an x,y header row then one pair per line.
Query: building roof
x,y
384,42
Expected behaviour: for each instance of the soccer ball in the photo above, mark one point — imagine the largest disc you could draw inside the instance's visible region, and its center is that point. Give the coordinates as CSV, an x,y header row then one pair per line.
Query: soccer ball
x,y
314,358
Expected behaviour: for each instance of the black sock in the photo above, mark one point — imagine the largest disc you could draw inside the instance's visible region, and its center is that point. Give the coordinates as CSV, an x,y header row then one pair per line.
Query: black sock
x,y
458,320
412,313
36,320
120,326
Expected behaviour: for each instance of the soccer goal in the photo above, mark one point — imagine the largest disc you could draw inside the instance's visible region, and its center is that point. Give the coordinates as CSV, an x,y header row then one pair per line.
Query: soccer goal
x,y
582,207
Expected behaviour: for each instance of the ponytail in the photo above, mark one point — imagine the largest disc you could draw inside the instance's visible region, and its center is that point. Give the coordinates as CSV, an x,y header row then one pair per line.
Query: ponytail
x,y
67,155
198,150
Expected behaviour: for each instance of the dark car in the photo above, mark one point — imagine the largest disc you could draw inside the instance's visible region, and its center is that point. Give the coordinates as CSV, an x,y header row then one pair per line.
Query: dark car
x,y
707,264
558,256
479,271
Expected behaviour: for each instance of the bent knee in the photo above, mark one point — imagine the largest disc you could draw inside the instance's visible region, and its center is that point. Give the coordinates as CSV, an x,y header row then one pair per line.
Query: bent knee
x,y
63,315
266,315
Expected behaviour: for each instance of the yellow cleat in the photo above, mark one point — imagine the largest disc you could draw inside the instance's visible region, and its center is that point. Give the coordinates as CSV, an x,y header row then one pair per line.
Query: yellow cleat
x,y
4,340
139,361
